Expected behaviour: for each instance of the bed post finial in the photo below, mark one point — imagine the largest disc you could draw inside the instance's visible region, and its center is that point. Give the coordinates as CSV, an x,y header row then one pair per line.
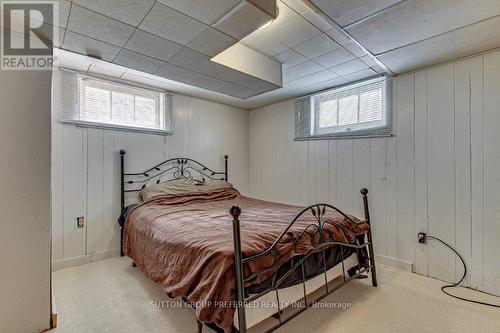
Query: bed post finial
x,y
123,152
225,164
364,192
235,212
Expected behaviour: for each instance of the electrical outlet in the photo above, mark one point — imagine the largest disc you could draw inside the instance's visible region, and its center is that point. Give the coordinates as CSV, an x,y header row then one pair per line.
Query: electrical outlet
x,y
422,237
79,222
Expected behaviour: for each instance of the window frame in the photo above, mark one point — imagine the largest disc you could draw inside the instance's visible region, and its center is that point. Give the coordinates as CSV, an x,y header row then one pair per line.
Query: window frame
x,y
367,129
163,111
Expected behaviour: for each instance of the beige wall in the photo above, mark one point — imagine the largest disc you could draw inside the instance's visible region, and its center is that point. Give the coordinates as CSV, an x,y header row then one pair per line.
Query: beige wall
x,y
439,174
24,200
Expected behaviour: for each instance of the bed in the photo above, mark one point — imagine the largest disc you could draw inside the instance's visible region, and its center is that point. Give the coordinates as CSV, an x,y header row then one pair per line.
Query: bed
x,y
225,253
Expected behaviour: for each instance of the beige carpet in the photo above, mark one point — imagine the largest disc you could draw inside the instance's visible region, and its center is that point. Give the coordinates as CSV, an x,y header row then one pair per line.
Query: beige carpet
x,y
112,296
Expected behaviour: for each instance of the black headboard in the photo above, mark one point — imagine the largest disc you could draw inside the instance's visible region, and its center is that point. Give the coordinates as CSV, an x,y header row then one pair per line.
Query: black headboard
x,y
171,169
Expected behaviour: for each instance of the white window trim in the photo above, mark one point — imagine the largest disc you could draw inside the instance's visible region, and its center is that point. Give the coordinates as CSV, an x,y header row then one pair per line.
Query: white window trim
x,y
123,128
358,130
117,127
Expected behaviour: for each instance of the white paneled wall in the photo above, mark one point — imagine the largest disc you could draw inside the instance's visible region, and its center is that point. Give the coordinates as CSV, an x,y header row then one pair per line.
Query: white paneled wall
x,y
86,175
439,174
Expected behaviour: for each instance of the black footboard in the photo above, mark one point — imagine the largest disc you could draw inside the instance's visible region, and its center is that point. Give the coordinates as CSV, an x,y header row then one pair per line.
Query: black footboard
x,y
363,244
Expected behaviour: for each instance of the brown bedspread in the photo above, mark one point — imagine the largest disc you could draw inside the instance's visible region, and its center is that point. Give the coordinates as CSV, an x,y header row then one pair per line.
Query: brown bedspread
x,y
185,243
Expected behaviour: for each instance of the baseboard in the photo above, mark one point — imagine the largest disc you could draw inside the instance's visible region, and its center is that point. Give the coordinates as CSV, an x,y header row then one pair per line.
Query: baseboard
x,y
86,259
394,262
70,262
95,256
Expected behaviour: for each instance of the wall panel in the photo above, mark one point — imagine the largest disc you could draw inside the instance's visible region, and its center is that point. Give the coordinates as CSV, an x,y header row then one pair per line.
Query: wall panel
x,y
441,171
421,184
439,174
491,172
405,145
477,172
86,170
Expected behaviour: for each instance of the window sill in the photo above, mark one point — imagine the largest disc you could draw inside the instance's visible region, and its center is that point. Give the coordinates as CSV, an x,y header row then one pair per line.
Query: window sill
x,y
343,137
112,127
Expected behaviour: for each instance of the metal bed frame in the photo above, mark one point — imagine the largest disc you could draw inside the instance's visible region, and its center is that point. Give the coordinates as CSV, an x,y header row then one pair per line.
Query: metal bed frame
x,y
179,168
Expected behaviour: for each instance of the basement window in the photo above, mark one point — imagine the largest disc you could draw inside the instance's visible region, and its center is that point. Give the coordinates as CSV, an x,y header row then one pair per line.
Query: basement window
x,y
118,105
94,101
361,109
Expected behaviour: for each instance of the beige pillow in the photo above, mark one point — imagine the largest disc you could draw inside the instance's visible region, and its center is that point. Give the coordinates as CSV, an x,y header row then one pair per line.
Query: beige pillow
x,y
179,186
171,187
212,185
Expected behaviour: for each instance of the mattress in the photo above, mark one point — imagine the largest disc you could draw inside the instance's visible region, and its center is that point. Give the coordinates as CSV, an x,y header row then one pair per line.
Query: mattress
x,y
185,243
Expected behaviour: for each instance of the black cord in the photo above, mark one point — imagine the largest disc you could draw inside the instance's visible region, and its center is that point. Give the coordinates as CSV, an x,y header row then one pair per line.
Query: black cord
x,y
443,288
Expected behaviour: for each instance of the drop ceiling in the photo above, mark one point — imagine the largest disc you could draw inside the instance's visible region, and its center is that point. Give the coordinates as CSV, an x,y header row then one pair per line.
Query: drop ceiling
x,y
319,43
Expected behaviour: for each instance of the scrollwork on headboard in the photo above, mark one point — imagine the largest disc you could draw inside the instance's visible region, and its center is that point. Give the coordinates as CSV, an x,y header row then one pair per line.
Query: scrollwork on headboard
x,y
168,170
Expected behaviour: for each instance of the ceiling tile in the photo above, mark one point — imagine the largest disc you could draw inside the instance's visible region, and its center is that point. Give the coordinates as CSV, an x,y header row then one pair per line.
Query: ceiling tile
x,y
242,21
51,34
350,67
317,20
368,60
460,43
151,45
339,36
312,79
379,69
345,12
127,11
363,74
294,32
180,74
236,91
301,70
251,82
97,26
265,44
171,24
206,11
290,58
355,49
188,58
88,46
105,68
334,58
316,46
211,42
303,89
201,63
176,73
298,5
206,82
137,61
412,21
63,13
